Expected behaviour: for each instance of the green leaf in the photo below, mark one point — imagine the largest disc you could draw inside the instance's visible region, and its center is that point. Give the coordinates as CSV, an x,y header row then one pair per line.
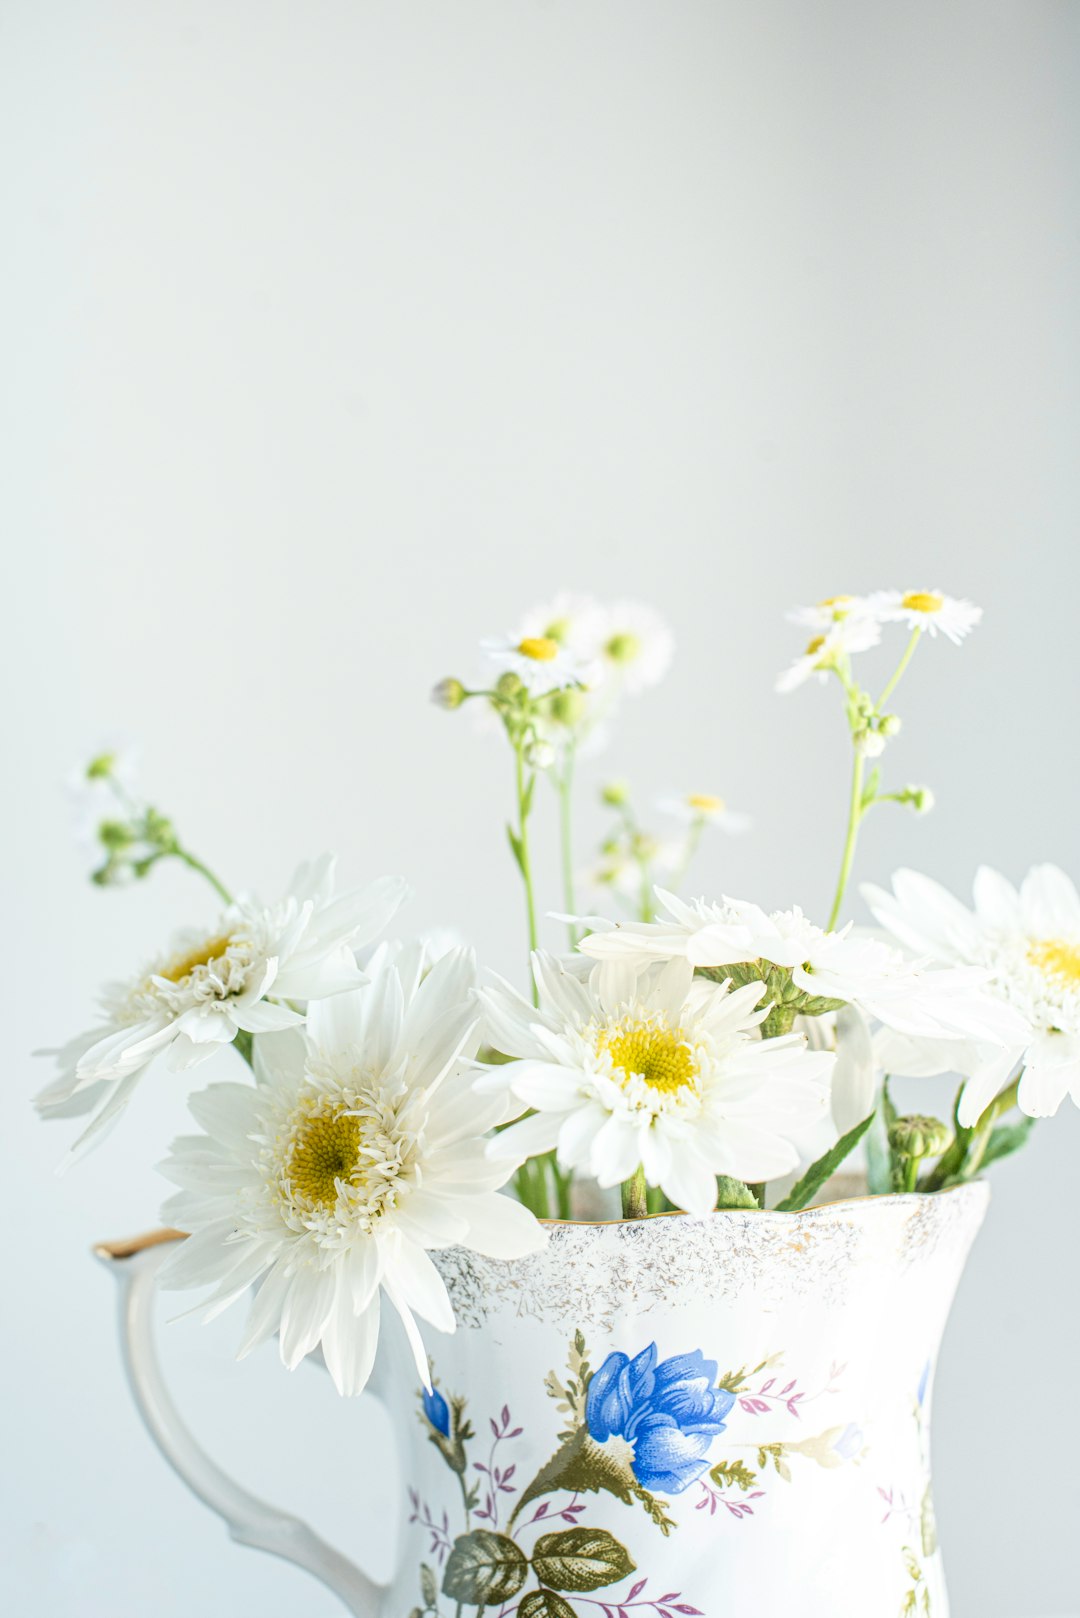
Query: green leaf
x,y
484,1568
816,1175
527,798
580,1559
545,1604
1006,1139
733,1193
515,847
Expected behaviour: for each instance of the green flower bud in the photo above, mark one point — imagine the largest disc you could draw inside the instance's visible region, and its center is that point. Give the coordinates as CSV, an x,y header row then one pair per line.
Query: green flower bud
x,y
623,648
922,799
100,768
615,794
115,835
448,694
509,684
890,724
918,1136
567,707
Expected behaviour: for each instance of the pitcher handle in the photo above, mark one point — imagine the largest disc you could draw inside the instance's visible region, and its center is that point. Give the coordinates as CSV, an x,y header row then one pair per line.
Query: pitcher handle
x,y
250,1521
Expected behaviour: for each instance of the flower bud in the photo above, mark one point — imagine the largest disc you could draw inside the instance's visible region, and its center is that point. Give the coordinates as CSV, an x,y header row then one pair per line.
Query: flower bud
x,y
918,1136
448,694
540,755
922,799
509,684
567,707
623,648
115,835
615,794
100,768
890,724
870,743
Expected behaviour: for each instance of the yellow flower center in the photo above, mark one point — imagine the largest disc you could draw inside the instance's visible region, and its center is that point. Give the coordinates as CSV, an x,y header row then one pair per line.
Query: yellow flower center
x,y
541,648
326,1151
838,605
813,647
922,601
183,966
1057,957
704,802
623,647
651,1051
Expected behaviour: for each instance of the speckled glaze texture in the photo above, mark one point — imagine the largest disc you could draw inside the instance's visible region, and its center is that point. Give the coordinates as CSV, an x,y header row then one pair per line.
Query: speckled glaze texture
x,y
679,1415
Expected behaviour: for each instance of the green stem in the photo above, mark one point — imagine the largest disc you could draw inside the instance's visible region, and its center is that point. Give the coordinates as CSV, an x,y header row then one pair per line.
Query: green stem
x,y
635,1195
909,652
204,870
523,798
566,787
759,1189
690,848
964,1157
855,814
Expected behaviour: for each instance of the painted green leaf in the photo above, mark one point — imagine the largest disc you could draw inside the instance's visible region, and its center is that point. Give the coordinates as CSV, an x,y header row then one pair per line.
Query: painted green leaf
x,y
581,1466
733,1474
429,1587
816,1175
545,1604
484,1568
580,1559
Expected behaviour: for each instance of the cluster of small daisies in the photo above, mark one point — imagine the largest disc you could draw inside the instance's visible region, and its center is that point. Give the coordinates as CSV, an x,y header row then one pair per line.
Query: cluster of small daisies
x,y
384,1094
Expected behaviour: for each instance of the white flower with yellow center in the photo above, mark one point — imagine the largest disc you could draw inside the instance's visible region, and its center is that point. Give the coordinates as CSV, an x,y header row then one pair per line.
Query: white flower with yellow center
x,y
1029,944
641,1065
929,610
540,662
634,646
243,975
574,622
829,647
702,808
831,610
359,1149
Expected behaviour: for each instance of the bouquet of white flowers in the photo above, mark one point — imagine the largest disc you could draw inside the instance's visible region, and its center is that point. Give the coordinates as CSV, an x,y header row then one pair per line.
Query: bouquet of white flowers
x,y
684,1054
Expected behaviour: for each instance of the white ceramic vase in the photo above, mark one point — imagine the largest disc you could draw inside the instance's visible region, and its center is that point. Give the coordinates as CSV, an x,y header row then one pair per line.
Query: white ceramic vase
x,y
674,1416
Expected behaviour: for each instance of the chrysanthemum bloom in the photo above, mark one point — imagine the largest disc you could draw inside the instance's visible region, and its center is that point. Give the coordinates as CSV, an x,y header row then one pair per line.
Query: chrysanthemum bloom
x,y
1028,942
242,975
356,1152
668,1411
638,1065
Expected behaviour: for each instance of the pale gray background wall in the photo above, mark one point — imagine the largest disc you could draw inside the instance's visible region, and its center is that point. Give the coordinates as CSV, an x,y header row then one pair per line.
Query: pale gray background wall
x,y
338,332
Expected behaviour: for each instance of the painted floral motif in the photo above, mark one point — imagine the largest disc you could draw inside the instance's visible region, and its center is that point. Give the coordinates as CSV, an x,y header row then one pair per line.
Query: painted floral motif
x,y
639,1428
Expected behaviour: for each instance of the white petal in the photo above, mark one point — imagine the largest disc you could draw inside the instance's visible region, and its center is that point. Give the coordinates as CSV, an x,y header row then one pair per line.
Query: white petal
x,y
500,1227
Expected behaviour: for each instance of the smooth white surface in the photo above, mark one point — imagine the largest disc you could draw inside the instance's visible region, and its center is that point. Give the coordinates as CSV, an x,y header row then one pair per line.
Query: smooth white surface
x,y
337,332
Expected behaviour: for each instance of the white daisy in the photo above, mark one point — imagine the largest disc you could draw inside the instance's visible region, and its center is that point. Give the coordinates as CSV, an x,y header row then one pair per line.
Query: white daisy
x,y
825,649
1029,943
926,609
701,807
541,663
354,1154
635,646
646,1065
574,622
836,967
832,610
215,984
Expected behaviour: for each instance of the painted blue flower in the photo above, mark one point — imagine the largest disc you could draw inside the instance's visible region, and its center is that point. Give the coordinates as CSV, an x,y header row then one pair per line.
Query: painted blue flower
x,y
668,1412
437,1411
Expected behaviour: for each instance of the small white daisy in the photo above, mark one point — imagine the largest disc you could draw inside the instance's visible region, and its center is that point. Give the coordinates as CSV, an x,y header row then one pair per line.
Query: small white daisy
x,y
574,622
1028,941
355,1153
701,808
242,975
832,610
635,646
636,1065
926,609
541,663
827,648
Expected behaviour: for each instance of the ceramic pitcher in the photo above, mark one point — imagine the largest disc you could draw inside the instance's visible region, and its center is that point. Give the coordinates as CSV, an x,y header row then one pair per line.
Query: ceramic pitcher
x,y
673,1416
